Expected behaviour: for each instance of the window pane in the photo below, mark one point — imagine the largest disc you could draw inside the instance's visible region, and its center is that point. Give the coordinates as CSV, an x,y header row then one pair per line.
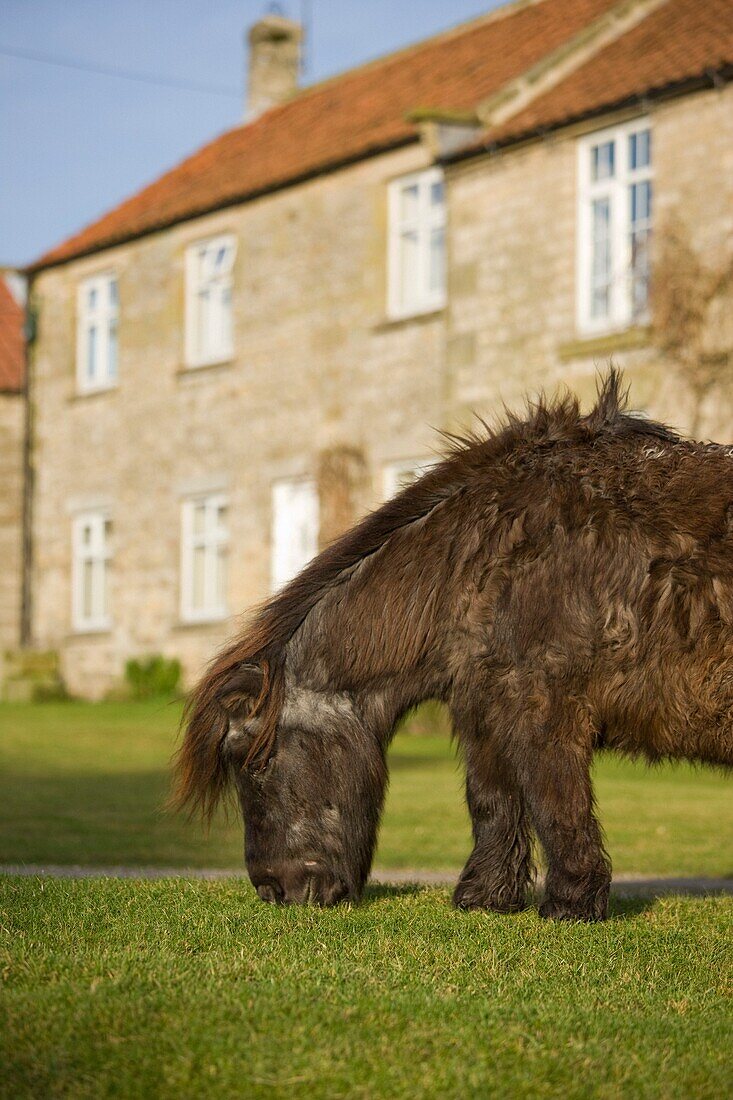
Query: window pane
x,y
112,352
409,202
437,260
113,293
103,574
86,588
224,344
92,352
92,298
603,159
409,266
601,261
220,600
199,518
640,195
204,323
198,598
436,193
640,149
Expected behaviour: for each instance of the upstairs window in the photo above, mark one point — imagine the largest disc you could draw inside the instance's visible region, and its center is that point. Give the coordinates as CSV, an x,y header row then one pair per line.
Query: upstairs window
x,y
91,556
614,227
209,267
416,275
295,523
96,348
204,552
398,475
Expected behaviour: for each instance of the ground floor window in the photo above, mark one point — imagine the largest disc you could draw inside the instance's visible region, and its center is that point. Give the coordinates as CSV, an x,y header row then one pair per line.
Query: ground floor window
x,y
91,551
294,528
204,552
398,475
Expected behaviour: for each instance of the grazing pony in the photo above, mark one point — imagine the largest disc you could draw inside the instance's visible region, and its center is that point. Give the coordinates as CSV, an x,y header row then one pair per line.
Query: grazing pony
x,y
564,584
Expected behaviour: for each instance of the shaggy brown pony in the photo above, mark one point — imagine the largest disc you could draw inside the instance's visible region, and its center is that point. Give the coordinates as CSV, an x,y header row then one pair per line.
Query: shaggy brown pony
x,y
564,584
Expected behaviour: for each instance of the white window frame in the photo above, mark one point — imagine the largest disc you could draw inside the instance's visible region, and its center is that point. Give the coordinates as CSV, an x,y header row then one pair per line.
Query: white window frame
x,y
97,553
213,539
408,302
621,312
398,475
216,347
103,318
284,565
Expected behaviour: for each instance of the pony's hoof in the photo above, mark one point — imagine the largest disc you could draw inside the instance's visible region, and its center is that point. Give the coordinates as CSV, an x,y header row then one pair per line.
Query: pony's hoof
x,y
470,897
552,909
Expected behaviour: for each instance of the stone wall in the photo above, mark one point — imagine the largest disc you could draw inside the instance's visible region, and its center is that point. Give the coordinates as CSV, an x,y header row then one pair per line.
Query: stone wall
x,y
12,420
318,370
511,326
321,379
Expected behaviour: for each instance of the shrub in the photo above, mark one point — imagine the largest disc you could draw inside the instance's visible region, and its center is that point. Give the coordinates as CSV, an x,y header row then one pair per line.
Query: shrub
x,y
152,676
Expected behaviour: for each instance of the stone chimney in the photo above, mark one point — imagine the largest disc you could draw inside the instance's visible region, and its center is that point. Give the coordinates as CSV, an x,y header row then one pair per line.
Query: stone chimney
x,y
274,63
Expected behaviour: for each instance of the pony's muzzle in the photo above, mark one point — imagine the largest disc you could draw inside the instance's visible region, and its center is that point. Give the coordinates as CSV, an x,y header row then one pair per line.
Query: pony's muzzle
x,y
300,884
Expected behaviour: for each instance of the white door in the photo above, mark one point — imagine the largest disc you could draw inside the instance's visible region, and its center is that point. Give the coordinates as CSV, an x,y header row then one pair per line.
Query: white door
x,y
294,528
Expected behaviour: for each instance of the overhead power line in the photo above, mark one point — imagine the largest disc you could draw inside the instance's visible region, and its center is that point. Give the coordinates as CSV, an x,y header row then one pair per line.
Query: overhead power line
x,y
123,74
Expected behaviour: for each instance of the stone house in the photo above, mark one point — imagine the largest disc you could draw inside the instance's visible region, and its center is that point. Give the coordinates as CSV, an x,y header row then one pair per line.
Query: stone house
x,y
12,434
237,361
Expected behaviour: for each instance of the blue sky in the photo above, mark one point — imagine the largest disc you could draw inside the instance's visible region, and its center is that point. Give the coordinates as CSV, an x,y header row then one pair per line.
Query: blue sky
x,y
74,143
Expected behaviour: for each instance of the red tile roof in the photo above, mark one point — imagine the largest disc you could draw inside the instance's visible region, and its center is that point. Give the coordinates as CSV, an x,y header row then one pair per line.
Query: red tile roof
x,y
673,46
346,118
12,355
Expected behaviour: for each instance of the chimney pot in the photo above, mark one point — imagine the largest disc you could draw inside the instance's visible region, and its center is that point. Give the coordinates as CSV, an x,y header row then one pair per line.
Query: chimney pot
x,y
274,63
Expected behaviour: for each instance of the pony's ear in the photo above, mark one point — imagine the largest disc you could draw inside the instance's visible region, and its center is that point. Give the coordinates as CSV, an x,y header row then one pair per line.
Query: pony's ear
x,y
241,690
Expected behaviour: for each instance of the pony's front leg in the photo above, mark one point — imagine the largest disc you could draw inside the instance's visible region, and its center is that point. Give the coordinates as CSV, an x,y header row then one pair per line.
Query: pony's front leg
x,y
499,868
553,760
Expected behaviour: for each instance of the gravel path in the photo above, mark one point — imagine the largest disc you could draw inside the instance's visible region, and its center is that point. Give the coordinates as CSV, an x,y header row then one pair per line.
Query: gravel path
x,y
623,885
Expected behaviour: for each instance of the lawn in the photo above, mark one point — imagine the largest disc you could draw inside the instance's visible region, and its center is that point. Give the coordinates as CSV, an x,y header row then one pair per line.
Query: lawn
x,y
85,783
181,988
194,989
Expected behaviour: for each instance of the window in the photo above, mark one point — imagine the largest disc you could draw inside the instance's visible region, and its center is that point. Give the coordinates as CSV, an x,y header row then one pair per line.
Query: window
x,y
91,537
96,348
209,268
398,475
614,227
294,528
204,550
416,275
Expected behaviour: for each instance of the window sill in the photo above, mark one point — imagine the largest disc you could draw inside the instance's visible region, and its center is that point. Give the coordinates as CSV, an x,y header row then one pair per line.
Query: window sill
x,y
98,391
605,343
400,320
210,620
98,630
189,369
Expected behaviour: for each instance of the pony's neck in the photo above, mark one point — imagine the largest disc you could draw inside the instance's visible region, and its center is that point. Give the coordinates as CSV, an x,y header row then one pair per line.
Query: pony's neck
x,y
348,658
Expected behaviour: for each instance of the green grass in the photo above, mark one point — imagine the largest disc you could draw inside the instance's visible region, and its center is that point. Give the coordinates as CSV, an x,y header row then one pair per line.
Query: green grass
x,y
192,989
85,783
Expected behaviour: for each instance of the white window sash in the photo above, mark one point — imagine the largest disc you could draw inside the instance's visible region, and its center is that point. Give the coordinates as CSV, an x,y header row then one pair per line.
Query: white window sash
x,y
90,573
617,190
104,319
421,298
398,475
209,305
295,520
213,542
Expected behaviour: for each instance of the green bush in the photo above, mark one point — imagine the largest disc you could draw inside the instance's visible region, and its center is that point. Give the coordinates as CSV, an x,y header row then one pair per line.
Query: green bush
x,y
152,676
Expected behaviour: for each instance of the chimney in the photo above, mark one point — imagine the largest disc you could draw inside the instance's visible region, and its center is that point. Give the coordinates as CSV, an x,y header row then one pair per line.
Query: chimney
x,y
274,63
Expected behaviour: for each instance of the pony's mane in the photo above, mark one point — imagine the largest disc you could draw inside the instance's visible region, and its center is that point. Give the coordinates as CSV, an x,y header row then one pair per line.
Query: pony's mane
x,y
201,776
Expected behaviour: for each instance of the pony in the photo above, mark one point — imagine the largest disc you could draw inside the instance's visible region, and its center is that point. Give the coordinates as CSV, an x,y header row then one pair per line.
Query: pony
x,y
564,583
